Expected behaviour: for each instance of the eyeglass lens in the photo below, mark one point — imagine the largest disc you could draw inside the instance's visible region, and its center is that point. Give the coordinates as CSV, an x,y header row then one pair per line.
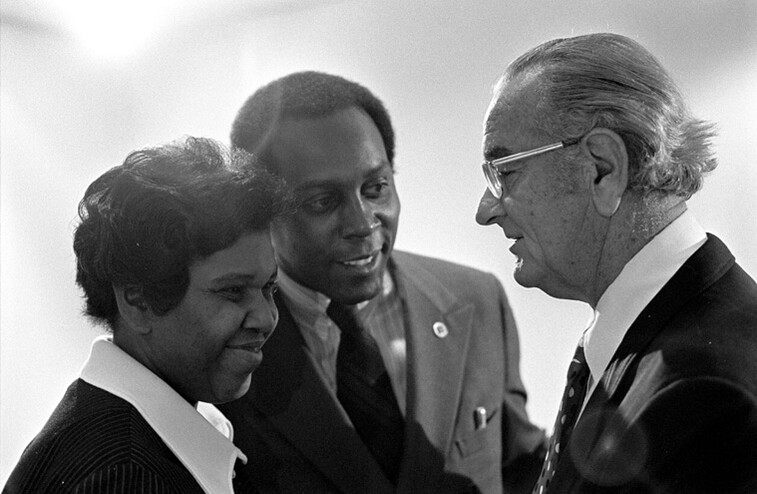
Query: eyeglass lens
x,y
492,180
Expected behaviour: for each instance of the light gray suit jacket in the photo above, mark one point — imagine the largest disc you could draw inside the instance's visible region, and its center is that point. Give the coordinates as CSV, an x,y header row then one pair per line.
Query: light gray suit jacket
x,y
298,438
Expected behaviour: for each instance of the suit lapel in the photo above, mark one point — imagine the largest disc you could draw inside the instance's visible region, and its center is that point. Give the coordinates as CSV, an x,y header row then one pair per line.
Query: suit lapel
x,y
289,391
435,364
701,270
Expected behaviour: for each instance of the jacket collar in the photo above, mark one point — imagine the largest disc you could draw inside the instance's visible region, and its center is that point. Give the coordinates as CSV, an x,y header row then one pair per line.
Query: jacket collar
x,y
436,368
635,287
701,270
202,449
287,389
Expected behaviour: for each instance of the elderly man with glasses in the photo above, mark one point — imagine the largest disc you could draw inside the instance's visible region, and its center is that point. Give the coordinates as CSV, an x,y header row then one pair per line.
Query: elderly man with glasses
x,y
591,155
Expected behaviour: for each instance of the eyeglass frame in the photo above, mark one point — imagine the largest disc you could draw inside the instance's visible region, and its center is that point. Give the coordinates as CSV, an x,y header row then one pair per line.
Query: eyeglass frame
x,y
492,168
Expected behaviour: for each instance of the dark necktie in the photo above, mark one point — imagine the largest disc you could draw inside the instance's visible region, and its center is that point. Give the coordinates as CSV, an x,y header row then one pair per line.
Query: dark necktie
x,y
572,400
365,391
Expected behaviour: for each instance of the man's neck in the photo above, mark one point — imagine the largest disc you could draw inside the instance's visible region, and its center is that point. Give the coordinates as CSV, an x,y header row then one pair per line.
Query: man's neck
x,y
637,222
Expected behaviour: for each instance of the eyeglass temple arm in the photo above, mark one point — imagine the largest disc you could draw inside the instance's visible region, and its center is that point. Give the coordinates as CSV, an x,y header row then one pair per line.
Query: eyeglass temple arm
x,y
534,152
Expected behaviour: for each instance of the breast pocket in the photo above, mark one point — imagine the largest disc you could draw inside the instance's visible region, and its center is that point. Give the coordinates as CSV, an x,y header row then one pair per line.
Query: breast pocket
x,y
482,434
478,452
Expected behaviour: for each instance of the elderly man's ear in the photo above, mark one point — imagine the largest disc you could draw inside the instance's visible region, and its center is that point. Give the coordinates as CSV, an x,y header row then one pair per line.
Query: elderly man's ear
x,y
133,308
608,153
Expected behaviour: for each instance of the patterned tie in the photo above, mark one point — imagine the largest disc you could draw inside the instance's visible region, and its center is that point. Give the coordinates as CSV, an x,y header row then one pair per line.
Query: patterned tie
x,y
365,391
572,400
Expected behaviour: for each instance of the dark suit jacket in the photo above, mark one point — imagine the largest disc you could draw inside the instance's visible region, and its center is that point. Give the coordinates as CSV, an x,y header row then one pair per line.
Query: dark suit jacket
x,y
676,409
298,439
95,442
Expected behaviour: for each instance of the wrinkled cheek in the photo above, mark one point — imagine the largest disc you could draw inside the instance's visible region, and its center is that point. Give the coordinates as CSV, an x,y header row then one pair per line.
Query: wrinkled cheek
x,y
563,264
508,203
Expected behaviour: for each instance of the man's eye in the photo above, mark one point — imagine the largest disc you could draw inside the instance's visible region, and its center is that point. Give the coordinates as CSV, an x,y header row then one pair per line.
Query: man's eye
x,y
376,189
509,170
270,288
508,177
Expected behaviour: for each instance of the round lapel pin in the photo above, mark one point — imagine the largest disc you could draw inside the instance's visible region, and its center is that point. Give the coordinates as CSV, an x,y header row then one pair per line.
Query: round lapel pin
x,y
440,329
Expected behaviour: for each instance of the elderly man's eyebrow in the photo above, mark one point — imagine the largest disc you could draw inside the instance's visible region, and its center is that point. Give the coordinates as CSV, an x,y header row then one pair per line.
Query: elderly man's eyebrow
x,y
494,152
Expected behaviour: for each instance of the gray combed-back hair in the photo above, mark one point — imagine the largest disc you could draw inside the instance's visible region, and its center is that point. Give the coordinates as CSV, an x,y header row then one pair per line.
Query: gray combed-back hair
x,y
608,80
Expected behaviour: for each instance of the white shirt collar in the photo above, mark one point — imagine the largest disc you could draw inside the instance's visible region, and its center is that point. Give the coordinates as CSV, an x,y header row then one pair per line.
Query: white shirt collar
x,y
636,285
304,303
204,451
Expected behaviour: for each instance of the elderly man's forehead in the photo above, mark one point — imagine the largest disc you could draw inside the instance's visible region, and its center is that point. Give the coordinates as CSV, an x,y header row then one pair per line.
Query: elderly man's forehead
x,y
496,110
516,94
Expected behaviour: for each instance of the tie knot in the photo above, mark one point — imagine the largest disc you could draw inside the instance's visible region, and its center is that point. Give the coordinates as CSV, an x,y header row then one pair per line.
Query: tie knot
x,y
578,366
343,316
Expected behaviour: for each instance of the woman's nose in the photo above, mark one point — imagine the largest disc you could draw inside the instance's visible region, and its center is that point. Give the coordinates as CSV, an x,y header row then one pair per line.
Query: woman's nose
x,y
262,313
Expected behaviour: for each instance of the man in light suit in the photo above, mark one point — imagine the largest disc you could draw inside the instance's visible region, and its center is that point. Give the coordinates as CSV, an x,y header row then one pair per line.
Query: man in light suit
x,y
591,155
445,333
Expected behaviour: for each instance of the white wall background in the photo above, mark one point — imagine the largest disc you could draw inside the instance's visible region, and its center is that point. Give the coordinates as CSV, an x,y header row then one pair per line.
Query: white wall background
x,y
67,116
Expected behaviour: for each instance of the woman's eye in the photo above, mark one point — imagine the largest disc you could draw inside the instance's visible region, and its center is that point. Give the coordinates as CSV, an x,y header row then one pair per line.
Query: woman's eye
x,y
232,292
320,203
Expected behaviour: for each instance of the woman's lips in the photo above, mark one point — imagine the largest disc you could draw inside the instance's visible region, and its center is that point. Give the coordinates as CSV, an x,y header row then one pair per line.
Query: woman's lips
x,y
252,346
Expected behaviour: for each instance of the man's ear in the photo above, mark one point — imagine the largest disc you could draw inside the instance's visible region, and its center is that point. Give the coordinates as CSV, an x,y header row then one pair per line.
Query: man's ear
x,y
133,308
608,153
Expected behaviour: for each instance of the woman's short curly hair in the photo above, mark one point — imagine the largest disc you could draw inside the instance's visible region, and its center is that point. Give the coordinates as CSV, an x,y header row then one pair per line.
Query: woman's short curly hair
x,y
143,223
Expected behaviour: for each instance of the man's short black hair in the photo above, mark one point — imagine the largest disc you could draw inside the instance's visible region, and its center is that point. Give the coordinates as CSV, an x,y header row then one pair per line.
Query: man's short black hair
x,y
307,94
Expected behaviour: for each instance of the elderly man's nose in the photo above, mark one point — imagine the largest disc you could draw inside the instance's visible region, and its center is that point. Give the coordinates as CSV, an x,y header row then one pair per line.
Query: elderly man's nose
x,y
489,208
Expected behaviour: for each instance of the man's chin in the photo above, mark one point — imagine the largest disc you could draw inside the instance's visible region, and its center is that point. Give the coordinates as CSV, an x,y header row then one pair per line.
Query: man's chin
x,y
522,276
356,292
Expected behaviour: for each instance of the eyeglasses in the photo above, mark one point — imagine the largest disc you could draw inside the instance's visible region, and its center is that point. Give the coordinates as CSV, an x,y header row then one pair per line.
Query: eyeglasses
x,y
494,169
